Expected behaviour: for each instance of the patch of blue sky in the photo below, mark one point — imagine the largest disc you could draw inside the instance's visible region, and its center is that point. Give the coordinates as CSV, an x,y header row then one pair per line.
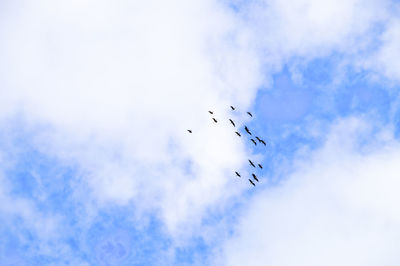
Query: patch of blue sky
x,y
117,239
112,238
284,112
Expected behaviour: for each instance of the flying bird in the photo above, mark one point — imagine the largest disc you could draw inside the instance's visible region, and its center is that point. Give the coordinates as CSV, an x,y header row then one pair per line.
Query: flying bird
x,y
247,130
258,139
237,174
252,164
255,143
252,182
215,120
189,131
259,165
255,177
233,123
263,142
250,114
237,133
210,112
233,108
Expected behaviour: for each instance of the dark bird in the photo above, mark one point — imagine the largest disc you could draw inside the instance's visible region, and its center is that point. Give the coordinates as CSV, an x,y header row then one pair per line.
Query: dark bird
x,y
252,164
255,177
263,142
255,143
215,120
210,112
233,108
251,181
237,174
237,133
259,165
258,139
232,122
250,114
247,130
189,131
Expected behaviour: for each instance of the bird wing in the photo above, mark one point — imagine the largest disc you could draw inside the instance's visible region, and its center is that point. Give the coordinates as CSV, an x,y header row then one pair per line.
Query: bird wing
x,y
256,179
252,182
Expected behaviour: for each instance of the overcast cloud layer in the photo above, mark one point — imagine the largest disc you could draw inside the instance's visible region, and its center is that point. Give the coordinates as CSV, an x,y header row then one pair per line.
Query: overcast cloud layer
x,y
96,165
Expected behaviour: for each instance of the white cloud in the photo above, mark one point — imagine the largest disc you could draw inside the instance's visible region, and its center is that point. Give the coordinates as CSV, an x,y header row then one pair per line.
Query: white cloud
x,y
113,88
307,29
383,61
337,208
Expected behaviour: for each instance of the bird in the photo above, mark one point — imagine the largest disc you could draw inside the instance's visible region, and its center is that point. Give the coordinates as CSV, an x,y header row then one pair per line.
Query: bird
x,y
237,174
252,164
210,112
215,120
255,143
259,165
247,130
233,108
252,182
250,114
233,123
189,131
258,139
237,133
255,177
263,142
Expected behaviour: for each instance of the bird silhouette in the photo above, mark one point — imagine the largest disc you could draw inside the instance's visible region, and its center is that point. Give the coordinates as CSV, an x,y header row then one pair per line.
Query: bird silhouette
x,y
263,142
252,182
247,130
237,174
233,108
237,133
259,165
258,139
233,123
255,143
189,131
215,120
255,177
252,164
250,114
210,112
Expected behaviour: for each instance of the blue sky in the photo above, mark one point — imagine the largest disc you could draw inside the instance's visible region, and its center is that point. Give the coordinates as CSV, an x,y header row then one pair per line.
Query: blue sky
x,y
97,168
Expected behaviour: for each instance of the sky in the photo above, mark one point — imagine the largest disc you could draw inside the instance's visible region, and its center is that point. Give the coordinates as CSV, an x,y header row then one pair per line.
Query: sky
x,y
97,166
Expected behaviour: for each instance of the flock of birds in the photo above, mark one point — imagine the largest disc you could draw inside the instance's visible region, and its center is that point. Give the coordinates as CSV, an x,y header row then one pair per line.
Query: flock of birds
x,y
260,141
